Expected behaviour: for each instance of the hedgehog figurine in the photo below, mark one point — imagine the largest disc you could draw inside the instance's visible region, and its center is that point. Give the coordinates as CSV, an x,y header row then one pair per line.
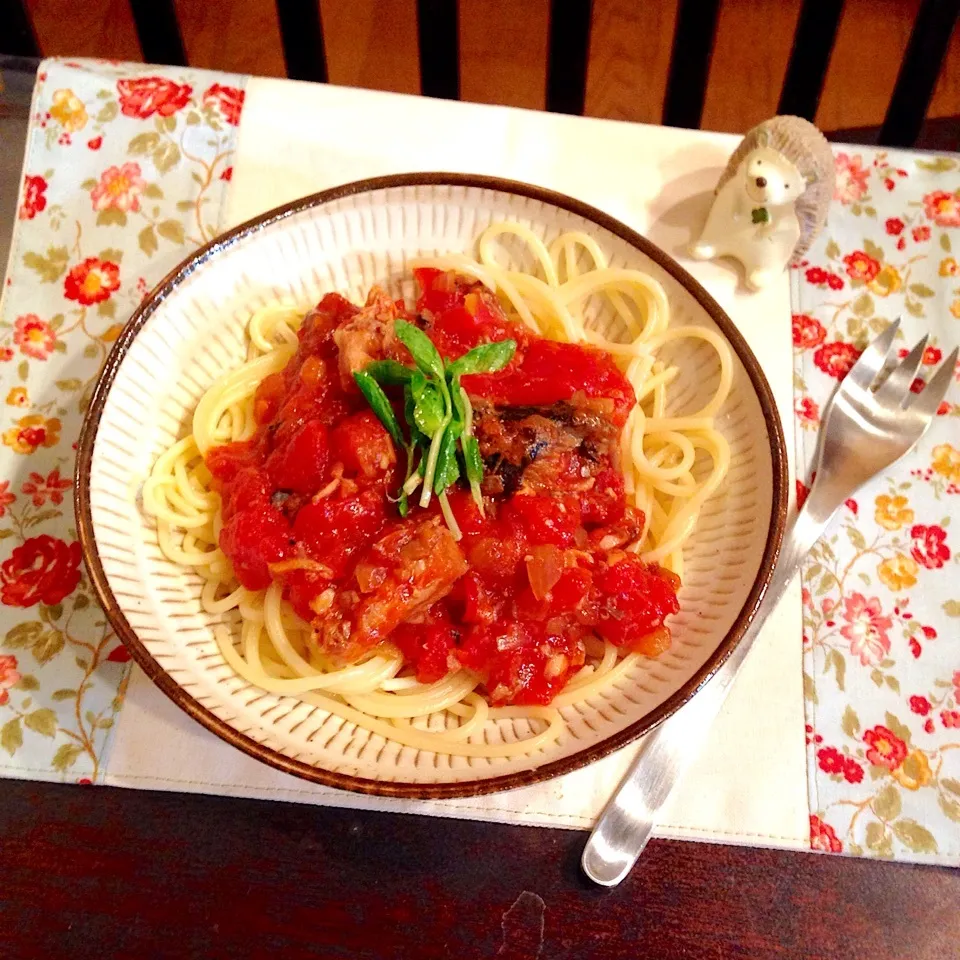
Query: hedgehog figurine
x,y
772,199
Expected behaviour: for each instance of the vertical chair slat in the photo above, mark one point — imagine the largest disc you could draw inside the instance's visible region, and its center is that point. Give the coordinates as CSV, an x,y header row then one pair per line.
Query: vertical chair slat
x,y
567,55
693,40
158,31
17,38
807,68
438,35
918,74
301,33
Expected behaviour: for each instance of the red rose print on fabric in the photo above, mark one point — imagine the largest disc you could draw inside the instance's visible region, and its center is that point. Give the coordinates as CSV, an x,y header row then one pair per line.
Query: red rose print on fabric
x,y
34,201
820,277
866,628
228,99
831,760
8,676
6,497
807,331
943,208
32,432
41,489
34,337
930,548
145,96
807,411
920,706
119,188
92,281
823,837
894,226
836,359
861,266
886,748
852,771
42,570
851,178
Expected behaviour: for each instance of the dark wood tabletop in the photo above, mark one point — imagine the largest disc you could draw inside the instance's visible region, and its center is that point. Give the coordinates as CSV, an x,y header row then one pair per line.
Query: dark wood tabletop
x,y
96,872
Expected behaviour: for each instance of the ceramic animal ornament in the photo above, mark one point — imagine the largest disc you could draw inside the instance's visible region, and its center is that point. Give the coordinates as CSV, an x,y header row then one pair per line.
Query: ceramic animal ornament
x,y
772,199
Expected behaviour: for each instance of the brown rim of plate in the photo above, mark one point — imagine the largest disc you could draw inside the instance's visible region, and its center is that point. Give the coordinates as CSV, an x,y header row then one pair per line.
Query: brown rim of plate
x,y
467,788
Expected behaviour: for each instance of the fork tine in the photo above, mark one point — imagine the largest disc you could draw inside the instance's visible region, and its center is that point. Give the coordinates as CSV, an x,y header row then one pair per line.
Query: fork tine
x,y
933,393
896,388
871,361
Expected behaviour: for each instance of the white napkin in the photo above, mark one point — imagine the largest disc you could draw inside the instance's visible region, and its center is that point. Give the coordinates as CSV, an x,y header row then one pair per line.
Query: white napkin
x,y
749,785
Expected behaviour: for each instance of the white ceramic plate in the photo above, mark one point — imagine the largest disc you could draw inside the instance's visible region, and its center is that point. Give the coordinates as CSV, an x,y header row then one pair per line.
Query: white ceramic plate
x,y
192,329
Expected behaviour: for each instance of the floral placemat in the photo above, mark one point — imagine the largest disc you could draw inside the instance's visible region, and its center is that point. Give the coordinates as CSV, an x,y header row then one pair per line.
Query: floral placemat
x,y
126,171
881,591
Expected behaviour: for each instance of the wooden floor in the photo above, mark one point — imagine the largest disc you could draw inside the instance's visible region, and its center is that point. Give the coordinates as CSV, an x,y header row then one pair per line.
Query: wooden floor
x,y
373,43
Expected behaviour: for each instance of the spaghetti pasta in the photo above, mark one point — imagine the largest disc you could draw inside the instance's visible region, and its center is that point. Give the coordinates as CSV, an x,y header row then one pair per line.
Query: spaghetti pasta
x,y
672,464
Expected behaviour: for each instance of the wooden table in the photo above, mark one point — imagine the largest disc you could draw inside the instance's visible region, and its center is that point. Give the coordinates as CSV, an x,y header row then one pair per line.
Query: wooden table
x,y
98,872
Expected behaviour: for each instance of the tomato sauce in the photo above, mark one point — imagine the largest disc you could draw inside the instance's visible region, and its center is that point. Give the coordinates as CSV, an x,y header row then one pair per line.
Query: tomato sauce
x,y
310,501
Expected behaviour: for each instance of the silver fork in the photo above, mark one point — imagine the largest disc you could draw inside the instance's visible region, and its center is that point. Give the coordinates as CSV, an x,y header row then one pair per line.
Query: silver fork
x,y
868,425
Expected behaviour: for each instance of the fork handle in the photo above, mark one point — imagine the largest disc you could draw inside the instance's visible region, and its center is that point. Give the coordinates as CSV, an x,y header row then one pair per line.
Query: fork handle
x,y
626,823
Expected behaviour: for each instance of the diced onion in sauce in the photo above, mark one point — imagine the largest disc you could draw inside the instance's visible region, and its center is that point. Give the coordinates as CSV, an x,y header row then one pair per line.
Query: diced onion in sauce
x,y
544,569
369,577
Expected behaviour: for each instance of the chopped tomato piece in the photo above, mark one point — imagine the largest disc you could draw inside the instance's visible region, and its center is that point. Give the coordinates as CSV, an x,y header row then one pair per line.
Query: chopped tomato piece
x,y
268,397
632,599
566,596
544,519
436,295
550,372
253,539
498,558
605,502
300,464
334,530
331,312
473,599
467,513
519,662
249,488
362,445
429,647
226,461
